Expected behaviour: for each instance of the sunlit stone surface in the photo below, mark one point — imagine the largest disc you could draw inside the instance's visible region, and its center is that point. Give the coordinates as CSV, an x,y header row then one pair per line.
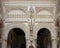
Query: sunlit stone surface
x,y
29,23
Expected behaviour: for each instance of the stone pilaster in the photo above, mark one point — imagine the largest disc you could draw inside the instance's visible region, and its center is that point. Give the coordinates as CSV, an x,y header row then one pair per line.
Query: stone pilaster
x,y
27,43
54,43
35,43
4,43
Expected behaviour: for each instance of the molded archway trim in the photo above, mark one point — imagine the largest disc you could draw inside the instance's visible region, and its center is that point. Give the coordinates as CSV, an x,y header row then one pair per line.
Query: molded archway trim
x,y
11,26
49,26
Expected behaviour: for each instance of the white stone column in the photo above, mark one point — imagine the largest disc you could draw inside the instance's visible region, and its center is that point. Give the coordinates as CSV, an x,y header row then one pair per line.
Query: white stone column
x,y
54,43
27,43
35,43
4,43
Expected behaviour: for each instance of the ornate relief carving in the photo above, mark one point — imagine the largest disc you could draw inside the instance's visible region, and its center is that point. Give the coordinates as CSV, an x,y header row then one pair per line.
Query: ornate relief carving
x,y
16,11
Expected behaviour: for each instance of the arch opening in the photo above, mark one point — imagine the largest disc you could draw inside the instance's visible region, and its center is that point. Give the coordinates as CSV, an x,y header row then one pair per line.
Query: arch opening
x,y
16,39
43,38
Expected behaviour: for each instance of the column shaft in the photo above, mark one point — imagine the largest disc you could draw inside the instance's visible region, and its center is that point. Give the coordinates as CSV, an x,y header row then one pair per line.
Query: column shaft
x,y
4,44
54,43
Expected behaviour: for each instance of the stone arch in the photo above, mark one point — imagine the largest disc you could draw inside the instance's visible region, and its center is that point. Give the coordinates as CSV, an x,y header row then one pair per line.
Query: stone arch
x,y
44,29
8,27
16,38
43,38
49,26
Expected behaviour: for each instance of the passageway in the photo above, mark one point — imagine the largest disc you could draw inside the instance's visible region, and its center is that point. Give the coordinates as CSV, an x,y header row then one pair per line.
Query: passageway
x,y
43,38
16,38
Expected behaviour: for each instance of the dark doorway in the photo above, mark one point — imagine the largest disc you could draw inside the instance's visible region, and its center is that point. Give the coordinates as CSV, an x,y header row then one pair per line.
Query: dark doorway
x,y
16,39
43,38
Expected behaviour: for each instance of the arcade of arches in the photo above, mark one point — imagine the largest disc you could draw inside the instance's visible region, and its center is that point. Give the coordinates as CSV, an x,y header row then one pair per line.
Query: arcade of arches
x,y
17,39
29,24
